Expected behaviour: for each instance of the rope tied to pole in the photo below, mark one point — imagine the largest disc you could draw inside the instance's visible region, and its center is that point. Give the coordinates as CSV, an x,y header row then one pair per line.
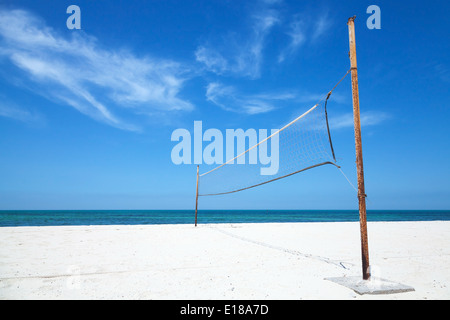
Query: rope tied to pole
x,y
328,126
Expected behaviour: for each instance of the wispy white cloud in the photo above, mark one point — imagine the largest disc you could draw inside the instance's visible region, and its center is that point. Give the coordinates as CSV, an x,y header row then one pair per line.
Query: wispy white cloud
x,y
442,71
369,118
297,37
303,30
96,81
13,111
322,25
241,55
212,59
230,99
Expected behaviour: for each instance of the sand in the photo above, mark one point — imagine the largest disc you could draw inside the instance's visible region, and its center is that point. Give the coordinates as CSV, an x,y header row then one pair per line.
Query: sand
x,y
223,261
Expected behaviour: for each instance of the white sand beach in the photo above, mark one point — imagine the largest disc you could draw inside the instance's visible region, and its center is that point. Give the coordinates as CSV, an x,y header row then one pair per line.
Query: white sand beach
x,y
223,261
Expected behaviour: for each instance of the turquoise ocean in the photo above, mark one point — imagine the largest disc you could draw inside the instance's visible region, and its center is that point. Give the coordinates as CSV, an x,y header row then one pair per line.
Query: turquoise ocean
x,y
142,217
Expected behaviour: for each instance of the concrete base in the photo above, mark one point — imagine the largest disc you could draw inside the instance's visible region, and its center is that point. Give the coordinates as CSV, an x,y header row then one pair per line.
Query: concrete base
x,y
372,286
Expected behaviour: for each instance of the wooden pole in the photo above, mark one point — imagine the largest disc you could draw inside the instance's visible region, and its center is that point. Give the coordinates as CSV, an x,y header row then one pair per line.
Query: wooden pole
x,y
196,200
359,157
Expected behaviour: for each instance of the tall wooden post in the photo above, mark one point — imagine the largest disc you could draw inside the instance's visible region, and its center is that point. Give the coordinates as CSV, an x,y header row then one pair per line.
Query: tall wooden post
x,y
196,200
359,157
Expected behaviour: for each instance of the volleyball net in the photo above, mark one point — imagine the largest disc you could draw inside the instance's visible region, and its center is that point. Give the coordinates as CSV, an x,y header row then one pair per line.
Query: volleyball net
x,y
302,144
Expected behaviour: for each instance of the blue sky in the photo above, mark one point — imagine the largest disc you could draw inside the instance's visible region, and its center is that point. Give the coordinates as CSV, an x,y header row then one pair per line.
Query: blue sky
x,y
86,115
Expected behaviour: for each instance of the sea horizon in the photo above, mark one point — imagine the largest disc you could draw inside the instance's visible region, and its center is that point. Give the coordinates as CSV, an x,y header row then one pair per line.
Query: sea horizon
x,y
17,218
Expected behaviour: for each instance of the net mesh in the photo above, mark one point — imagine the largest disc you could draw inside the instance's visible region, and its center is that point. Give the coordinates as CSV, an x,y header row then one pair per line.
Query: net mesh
x,y
302,144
